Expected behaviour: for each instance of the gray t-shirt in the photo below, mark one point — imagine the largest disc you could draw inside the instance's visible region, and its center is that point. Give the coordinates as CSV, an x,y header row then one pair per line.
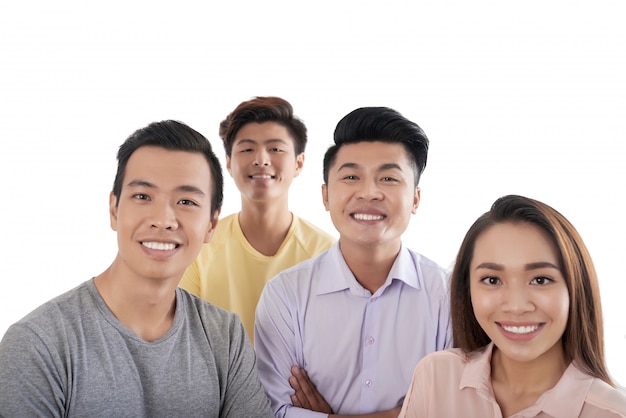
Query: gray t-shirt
x,y
72,358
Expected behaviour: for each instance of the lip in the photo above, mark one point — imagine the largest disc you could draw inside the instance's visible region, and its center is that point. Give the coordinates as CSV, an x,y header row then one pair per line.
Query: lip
x,y
367,215
518,331
159,249
261,176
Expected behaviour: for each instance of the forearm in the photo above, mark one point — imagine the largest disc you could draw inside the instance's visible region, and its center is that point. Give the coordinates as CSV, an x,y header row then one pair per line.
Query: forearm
x,y
392,413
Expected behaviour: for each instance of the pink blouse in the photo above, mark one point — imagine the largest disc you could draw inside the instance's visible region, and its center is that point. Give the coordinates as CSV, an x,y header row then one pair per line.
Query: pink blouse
x,y
447,384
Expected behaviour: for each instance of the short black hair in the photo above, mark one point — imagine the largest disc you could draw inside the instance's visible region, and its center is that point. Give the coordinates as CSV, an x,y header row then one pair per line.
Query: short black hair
x,y
174,136
369,124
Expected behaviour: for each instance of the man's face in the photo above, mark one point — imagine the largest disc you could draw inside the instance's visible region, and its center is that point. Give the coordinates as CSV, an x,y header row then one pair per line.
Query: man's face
x,y
371,193
164,211
263,161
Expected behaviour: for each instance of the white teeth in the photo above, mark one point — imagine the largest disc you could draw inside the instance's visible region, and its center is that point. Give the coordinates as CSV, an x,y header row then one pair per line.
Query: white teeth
x,y
161,246
366,217
521,330
261,176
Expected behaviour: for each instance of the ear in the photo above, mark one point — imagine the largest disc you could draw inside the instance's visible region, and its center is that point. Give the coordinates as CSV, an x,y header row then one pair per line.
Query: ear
x,y
228,165
113,211
299,163
325,196
416,200
212,225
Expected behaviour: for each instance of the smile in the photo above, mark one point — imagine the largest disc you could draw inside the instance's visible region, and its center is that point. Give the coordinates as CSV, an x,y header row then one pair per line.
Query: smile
x,y
367,217
521,330
261,176
161,246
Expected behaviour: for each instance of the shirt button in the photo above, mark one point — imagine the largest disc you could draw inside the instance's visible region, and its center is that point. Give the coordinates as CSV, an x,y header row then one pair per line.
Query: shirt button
x,y
368,383
370,340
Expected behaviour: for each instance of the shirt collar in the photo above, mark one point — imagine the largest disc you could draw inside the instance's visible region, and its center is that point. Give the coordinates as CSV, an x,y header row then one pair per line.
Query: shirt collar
x,y
335,275
477,373
573,386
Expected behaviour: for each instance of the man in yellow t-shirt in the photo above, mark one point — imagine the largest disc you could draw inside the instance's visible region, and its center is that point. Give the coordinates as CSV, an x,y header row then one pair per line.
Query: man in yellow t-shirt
x,y
264,144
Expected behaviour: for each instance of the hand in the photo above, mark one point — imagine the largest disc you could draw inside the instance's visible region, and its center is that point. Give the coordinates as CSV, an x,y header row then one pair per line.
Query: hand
x,y
306,395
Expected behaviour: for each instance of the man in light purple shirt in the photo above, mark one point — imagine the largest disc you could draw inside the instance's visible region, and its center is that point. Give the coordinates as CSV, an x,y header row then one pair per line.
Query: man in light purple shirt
x,y
345,330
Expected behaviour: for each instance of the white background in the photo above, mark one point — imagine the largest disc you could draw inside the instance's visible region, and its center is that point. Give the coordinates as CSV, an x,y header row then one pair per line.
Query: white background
x,y
516,97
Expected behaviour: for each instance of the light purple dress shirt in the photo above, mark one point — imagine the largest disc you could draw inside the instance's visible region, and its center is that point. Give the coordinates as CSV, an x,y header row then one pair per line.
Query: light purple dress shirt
x,y
358,349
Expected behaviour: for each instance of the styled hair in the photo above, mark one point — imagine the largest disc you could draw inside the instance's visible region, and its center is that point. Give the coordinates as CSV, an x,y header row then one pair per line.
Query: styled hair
x,y
370,124
173,136
259,110
583,339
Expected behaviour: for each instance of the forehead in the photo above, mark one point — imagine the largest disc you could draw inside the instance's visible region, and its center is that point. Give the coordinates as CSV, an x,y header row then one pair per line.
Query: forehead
x,y
373,154
168,169
262,132
514,243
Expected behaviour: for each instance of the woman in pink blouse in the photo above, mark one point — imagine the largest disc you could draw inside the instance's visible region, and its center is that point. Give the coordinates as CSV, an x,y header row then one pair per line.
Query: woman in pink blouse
x,y
527,324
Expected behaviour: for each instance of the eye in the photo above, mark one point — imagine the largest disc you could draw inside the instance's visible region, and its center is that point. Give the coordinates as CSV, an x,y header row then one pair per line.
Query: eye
x,y
187,202
350,177
245,150
490,280
389,179
141,196
275,149
541,281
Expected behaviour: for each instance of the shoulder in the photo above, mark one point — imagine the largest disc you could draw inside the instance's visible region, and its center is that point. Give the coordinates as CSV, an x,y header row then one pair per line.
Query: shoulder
x,y
53,322
430,273
429,266
447,365
195,304
225,227
212,318
295,282
68,305
452,357
606,397
303,269
311,235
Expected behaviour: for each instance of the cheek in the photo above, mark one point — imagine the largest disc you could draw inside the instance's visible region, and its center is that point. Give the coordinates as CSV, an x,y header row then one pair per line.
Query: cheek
x,y
485,304
559,306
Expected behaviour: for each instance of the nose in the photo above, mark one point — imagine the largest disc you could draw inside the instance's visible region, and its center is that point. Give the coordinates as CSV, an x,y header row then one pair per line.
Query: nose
x,y
369,190
517,299
261,158
163,216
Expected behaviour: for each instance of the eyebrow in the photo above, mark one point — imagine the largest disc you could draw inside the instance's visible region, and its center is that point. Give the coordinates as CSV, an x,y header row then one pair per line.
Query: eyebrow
x,y
183,188
267,141
382,167
529,266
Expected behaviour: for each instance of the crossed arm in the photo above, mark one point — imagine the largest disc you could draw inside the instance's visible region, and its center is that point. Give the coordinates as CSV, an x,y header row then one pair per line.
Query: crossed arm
x,y
306,396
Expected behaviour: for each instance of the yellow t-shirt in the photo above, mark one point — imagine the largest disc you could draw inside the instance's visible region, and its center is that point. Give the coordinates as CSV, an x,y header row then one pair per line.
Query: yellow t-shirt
x,y
231,274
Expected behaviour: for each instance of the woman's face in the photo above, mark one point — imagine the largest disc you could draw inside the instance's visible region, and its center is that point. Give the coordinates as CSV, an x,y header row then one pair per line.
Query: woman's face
x,y
519,295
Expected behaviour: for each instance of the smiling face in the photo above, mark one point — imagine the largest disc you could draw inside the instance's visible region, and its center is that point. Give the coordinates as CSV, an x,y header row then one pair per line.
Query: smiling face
x,y
371,194
518,292
263,162
163,215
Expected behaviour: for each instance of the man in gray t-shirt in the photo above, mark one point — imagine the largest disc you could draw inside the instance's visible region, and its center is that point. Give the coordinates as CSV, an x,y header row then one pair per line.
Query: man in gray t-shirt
x,y
128,342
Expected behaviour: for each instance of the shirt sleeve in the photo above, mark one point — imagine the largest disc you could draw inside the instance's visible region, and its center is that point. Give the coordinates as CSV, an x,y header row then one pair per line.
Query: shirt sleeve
x,y
445,325
416,400
444,336
244,394
277,348
31,376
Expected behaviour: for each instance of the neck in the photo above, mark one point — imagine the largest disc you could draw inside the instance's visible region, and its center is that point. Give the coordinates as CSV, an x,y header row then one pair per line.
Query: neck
x,y
370,265
265,227
144,305
518,385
